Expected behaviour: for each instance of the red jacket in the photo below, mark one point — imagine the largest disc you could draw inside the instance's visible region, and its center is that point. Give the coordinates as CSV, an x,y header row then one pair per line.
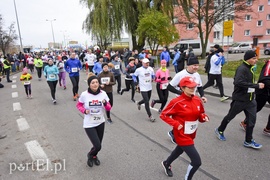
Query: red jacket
x,y
187,111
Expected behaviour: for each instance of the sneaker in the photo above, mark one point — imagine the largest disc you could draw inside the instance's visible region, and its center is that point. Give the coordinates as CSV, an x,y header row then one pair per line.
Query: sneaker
x,y
170,134
266,132
27,97
152,119
118,92
133,100
60,84
89,160
109,120
75,98
39,79
54,101
65,87
243,125
224,98
252,144
77,95
153,103
220,135
139,106
167,169
122,92
30,96
159,111
96,160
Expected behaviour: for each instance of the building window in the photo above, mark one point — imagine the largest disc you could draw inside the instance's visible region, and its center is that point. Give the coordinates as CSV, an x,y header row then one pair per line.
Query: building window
x,y
247,32
260,8
249,2
259,23
190,26
248,17
268,16
267,31
216,34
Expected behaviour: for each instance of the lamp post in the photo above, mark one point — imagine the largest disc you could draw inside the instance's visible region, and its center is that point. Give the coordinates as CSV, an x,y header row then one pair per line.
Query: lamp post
x,y
64,37
21,46
52,30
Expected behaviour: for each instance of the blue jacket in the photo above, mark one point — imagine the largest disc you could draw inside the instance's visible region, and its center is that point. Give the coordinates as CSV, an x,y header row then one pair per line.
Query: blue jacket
x,y
73,67
165,55
176,57
97,68
51,73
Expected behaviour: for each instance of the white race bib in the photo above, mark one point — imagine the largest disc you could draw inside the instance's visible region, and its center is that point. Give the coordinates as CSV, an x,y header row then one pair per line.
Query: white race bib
x,y
251,90
96,115
164,86
117,66
52,76
104,80
26,82
74,70
191,127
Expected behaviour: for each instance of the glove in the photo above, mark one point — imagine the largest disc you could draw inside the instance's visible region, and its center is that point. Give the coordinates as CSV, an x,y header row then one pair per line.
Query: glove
x,y
169,78
163,79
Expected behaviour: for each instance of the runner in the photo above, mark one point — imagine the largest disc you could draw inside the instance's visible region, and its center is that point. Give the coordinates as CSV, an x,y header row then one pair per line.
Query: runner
x,y
184,113
162,77
25,78
145,75
30,62
130,69
117,71
92,103
38,64
90,60
51,73
106,78
62,73
73,67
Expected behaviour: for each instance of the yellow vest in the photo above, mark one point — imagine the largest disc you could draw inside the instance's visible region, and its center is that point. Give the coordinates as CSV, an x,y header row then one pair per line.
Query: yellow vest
x,y
6,66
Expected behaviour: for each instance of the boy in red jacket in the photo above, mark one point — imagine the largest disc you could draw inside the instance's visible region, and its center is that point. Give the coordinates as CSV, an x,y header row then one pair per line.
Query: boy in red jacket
x,y
184,113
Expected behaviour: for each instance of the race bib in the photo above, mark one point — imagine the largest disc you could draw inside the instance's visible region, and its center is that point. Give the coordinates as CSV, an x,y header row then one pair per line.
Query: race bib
x,y
26,82
164,86
96,118
74,70
52,76
251,90
147,80
117,66
191,127
104,80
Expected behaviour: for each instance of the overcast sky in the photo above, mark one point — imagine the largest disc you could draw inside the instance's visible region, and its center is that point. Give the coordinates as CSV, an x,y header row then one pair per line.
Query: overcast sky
x,y
36,31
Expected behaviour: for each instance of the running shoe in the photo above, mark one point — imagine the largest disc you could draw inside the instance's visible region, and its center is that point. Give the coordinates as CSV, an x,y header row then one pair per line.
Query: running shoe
x,y
139,106
109,120
54,101
167,169
224,98
27,97
122,92
96,160
65,87
152,119
153,103
159,111
75,98
170,134
30,96
133,100
60,84
266,132
220,135
252,144
77,95
243,125
89,160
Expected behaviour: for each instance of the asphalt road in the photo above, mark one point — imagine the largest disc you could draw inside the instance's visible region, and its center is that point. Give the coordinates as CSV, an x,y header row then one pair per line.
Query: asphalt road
x,y
133,147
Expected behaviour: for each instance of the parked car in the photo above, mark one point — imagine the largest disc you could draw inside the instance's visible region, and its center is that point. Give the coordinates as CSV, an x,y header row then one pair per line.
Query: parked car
x,y
239,48
267,51
195,44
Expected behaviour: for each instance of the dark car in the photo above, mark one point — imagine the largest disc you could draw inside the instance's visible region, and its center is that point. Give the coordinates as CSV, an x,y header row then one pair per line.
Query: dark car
x,y
267,51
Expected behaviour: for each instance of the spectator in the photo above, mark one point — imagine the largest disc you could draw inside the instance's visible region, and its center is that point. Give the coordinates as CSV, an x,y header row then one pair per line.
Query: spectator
x,y
166,56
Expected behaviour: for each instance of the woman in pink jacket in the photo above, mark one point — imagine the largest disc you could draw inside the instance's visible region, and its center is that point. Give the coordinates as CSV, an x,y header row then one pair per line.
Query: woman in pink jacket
x,y
94,103
162,77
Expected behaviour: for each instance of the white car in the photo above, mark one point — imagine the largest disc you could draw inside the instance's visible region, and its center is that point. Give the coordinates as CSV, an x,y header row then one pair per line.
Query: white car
x,y
240,48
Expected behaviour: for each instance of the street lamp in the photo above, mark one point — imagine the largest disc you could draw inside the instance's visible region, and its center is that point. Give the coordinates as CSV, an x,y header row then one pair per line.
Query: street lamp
x,y
52,30
64,37
21,46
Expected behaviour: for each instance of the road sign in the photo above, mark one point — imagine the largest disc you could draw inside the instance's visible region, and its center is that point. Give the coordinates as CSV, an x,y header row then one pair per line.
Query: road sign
x,y
227,28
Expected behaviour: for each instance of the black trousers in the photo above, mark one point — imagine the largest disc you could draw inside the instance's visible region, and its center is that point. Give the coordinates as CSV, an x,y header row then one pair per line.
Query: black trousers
x,y
95,134
249,109
7,74
75,84
118,80
163,96
146,98
211,82
27,89
39,69
130,84
192,154
110,96
52,85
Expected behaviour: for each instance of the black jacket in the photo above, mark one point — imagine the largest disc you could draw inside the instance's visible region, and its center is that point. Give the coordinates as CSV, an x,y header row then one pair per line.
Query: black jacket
x,y
244,83
265,78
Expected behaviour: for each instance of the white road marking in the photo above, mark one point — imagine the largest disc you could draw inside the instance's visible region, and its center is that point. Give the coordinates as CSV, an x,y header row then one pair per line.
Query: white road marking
x,y
14,94
22,124
13,86
14,81
14,77
17,106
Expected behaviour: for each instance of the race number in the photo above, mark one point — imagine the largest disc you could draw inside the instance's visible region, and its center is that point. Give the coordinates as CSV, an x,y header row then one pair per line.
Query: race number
x,y
74,70
105,80
191,127
26,82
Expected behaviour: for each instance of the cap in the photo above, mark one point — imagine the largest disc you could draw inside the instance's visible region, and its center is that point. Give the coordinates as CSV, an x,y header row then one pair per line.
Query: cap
x,y
216,46
145,60
192,60
249,54
188,82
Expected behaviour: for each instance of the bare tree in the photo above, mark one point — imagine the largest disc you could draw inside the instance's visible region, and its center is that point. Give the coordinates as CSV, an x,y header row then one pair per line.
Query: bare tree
x,y
7,37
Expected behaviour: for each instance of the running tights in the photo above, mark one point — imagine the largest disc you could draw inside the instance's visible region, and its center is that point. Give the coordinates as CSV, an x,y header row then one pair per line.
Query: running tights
x,y
27,89
146,97
52,85
75,83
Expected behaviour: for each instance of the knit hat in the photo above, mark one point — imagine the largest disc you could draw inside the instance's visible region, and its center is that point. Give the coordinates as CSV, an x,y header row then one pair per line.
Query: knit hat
x,y
163,61
192,60
188,82
249,54
104,64
216,46
25,70
91,78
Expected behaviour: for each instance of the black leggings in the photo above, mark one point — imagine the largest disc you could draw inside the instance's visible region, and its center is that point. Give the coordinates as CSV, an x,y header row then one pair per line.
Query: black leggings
x,y
146,97
39,69
130,83
75,83
192,154
52,85
118,80
163,96
95,134
210,82
27,89
110,96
